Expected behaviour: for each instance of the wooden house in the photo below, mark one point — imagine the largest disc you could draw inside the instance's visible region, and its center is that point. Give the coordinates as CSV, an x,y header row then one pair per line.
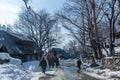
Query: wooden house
x,y
18,46
59,53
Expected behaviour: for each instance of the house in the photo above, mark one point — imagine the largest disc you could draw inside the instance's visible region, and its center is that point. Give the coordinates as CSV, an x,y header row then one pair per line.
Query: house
x,y
60,53
18,46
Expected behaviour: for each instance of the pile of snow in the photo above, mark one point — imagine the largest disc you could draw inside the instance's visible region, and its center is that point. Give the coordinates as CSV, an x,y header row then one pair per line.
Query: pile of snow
x,y
13,61
103,73
13,72
32,66
12,69
85,65
117,50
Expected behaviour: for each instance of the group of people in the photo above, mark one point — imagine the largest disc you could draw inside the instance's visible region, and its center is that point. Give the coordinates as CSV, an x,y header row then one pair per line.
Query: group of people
x,y
43,64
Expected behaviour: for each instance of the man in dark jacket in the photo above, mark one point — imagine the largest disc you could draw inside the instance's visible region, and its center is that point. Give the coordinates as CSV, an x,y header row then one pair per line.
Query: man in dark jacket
x,y
57,62
43,65
79,64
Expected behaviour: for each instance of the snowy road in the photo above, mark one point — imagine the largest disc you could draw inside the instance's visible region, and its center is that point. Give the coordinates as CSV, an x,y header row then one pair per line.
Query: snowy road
x,y
47,77
67,71
84,77
75,76
70,72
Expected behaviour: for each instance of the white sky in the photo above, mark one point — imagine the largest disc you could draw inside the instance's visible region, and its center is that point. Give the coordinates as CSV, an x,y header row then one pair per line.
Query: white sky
x,y
9,9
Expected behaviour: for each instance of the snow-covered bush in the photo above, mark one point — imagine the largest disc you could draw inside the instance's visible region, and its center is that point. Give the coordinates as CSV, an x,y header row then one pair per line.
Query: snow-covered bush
x,y
6,56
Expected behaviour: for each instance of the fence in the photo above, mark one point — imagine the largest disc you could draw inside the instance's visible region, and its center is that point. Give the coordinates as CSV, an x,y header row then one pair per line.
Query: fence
x,y
112,63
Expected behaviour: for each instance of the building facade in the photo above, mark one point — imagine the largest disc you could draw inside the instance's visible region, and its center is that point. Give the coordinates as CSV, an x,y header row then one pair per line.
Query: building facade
x,y
18,46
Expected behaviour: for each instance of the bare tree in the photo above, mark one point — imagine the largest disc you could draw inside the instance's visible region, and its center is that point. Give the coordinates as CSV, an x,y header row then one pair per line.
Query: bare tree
x,y
73,48
95,16
70,17
112,14
83,17
39,28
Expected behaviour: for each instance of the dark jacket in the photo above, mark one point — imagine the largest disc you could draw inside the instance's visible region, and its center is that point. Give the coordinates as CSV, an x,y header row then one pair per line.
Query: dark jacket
x,y
79,63
43,63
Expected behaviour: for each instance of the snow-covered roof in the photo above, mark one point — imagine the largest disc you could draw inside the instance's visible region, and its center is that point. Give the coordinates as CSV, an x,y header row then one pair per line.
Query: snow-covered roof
x,y
61,51
21,37
15,44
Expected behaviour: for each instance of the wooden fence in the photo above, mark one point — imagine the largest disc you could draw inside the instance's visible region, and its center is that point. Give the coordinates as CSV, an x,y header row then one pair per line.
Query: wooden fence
x,y
112,63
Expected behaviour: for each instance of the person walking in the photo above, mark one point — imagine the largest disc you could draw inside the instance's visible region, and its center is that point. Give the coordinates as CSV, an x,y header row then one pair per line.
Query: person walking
x,y
79,65
43,65
57,62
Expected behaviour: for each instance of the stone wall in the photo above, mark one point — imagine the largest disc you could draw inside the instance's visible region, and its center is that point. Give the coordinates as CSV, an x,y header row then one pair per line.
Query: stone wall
x,y
112,63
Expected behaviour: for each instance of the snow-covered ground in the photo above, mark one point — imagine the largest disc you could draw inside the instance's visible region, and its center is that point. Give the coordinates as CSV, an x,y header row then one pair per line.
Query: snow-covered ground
x,y
51,73
104,74
13,61
66,71
12,70
15,70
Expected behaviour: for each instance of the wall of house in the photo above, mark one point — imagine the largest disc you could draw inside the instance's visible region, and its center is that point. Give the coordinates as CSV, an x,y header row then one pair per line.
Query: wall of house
x,y
26,47
26,57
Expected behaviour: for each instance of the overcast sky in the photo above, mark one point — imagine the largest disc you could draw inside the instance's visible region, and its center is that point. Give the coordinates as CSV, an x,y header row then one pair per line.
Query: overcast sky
x,y
9,9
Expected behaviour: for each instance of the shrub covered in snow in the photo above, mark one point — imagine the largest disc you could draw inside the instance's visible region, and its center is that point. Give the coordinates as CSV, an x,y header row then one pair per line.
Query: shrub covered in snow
x,y
6,56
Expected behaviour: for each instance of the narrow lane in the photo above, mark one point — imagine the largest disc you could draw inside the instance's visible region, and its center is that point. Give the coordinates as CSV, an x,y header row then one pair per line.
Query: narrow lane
x,y
47,77
77,76
71,71
67,71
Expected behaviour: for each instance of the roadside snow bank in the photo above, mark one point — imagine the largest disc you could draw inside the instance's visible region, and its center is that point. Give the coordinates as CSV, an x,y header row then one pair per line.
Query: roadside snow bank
x,y
32,66
103,74
13,61
13,72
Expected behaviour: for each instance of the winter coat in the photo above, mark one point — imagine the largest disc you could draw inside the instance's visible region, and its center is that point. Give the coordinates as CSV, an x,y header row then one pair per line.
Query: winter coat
x,y
57,62
43,63
79,63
